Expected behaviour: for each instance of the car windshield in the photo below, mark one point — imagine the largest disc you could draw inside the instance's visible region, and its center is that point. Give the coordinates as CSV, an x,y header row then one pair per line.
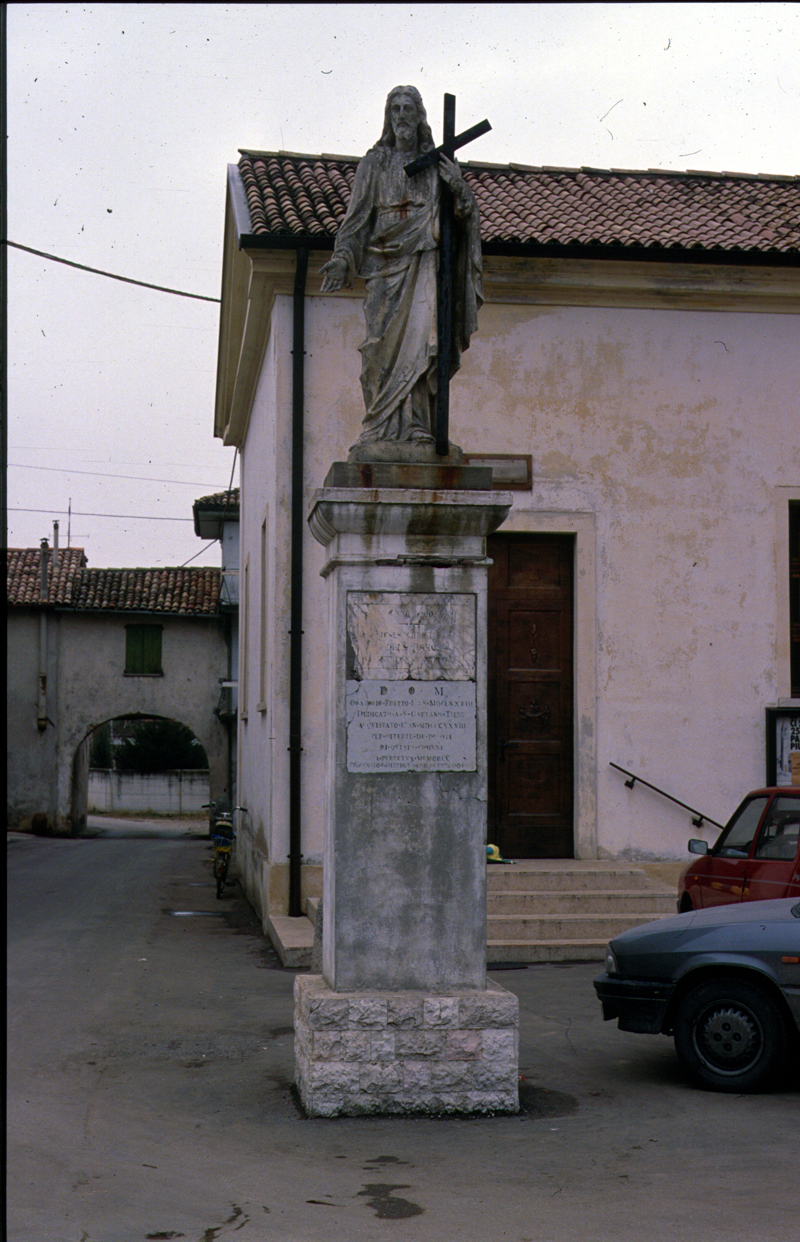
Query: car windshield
x,y
737,838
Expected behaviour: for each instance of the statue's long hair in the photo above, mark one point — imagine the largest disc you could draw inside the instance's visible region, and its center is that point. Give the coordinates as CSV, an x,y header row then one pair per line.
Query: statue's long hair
x,y
424,136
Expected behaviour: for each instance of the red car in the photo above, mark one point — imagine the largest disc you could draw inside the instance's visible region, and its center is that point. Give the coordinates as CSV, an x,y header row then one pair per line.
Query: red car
x,y
756,856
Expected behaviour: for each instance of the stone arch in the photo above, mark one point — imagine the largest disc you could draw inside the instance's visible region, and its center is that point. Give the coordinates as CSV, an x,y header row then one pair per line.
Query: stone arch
x,y
213,738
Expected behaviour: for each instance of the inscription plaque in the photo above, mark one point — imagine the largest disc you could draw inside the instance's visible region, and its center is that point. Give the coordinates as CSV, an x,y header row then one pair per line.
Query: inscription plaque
x,y
411,726
410,693
399,635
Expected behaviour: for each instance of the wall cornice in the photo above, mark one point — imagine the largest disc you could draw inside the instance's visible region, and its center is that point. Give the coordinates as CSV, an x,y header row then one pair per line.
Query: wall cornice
x,y
597,282
254,277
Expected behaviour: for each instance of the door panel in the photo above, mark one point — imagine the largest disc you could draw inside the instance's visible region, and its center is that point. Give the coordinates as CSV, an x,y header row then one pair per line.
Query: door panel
x,y
724,883
530,695
775,861
726,865
535,639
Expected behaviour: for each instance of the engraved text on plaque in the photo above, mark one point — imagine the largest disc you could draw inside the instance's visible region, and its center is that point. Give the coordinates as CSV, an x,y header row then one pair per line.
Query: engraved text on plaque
x,y
410,690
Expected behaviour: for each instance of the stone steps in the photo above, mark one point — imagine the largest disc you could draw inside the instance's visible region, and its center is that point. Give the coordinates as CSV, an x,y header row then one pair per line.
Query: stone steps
x,y
525,904
548,910
563,874
534,928
292,939
560,910
525,952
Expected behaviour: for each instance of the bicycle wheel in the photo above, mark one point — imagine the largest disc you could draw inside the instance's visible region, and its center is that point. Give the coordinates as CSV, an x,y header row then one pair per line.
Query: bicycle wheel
x,y
221,872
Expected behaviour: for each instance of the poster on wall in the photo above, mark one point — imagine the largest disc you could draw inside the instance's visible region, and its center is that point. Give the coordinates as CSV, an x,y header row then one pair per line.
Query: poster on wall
x,y
783,745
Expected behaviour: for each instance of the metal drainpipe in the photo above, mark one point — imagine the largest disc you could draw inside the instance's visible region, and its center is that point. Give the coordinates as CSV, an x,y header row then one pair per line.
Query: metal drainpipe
x,y
41,715
296,606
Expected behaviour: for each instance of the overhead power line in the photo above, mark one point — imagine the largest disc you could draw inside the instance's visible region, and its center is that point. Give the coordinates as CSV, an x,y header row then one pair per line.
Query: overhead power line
x,y
200,553
222,515
97,271
125,517
101,474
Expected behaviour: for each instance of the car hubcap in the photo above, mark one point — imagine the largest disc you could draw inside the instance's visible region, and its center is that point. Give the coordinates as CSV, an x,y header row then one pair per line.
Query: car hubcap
x,y
728,1038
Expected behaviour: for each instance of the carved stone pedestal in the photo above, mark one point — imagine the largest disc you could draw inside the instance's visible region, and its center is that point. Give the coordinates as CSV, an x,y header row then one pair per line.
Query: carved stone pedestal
x,y
405,856
405,1052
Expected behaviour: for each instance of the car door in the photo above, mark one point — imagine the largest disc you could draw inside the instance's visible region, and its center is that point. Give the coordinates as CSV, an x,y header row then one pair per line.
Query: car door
x,y
724,878
774,868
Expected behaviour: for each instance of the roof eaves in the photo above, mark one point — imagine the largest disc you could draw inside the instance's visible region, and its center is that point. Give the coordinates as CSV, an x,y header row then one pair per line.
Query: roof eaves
x,y
651,252
238,198
297,155
286,241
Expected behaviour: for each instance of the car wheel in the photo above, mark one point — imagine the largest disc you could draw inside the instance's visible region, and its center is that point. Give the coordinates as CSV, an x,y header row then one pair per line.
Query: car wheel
x,y
731,1035
686,904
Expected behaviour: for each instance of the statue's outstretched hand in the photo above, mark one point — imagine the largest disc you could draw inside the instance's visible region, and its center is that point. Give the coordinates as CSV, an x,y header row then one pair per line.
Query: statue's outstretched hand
x,y
333,275
450,172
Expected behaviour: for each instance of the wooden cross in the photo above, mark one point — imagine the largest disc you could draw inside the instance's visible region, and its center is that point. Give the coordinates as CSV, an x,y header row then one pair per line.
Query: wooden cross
x,y
451,143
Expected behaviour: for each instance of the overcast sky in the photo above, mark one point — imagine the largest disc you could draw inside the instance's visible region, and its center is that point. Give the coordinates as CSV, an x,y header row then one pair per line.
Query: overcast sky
x,y
123,117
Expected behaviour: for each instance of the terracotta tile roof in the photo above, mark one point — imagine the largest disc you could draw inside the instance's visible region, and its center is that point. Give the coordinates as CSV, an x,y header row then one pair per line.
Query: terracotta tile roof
x,y
307,195
184,592
210,512
225,501
23,575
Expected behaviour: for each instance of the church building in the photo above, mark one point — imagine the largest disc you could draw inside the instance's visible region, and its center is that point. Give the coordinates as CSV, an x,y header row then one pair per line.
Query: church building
x,y
634,383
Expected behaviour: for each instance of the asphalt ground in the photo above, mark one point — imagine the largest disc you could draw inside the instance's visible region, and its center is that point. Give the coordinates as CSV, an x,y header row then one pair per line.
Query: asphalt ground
x,y
149,1090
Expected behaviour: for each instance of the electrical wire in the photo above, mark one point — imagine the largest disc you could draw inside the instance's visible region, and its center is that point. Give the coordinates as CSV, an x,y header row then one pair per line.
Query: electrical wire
x,y
101,474
200,553
97,271
222,515
138,517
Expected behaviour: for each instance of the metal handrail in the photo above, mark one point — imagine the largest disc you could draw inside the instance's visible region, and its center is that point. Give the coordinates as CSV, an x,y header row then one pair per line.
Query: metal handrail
x,y
698,817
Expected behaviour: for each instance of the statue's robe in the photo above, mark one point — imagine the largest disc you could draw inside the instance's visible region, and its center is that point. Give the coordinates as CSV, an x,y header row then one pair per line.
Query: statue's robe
x,y
390,237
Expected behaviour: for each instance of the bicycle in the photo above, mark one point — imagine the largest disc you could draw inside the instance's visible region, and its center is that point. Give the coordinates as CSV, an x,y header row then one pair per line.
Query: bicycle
x,y
223,835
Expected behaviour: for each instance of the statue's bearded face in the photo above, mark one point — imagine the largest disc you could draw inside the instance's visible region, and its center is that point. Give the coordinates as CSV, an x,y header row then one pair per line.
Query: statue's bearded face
x,y
404,119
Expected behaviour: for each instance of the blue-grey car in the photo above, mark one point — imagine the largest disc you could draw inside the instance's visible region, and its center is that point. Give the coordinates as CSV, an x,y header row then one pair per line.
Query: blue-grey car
x,y
724,982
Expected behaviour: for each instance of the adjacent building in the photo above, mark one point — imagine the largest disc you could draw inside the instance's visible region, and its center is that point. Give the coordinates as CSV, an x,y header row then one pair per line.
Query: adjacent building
x,y
90,645
635,381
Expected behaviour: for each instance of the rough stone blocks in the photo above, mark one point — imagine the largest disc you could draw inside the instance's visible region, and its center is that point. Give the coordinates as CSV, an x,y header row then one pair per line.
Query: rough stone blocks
x,y
405,1052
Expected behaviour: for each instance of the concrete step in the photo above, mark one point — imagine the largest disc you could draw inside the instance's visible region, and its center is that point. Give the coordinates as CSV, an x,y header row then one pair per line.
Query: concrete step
x,y
587,901
538,910
522,952
563,874
292,939
564,926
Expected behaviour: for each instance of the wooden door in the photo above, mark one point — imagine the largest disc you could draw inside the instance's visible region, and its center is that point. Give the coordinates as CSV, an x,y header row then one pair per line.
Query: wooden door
x,y
530,695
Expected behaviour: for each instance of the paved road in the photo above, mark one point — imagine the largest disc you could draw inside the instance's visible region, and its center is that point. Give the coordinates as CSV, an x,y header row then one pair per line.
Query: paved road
x,y
150,1064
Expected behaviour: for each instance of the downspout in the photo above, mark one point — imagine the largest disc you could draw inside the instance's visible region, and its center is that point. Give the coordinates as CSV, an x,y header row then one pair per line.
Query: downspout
x,y
296,588
41,703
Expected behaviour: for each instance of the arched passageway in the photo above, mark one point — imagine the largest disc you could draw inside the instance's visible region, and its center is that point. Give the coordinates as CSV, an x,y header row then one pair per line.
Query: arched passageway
x,y
145,764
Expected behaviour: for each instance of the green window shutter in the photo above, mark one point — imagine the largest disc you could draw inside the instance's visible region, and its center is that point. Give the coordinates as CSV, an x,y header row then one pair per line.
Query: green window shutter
x,y
143,650
133,649
151,648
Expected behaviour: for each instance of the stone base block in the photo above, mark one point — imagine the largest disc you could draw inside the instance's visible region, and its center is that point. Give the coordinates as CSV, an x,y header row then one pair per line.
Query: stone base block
x,y
409,475
360,1053
405,451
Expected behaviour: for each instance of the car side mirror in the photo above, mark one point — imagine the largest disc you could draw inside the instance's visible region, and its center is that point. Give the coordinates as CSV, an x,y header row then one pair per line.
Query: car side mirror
x,y
698,847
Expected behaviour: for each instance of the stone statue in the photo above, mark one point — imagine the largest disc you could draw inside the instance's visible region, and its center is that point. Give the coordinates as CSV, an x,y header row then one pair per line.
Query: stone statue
x,y
390,237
